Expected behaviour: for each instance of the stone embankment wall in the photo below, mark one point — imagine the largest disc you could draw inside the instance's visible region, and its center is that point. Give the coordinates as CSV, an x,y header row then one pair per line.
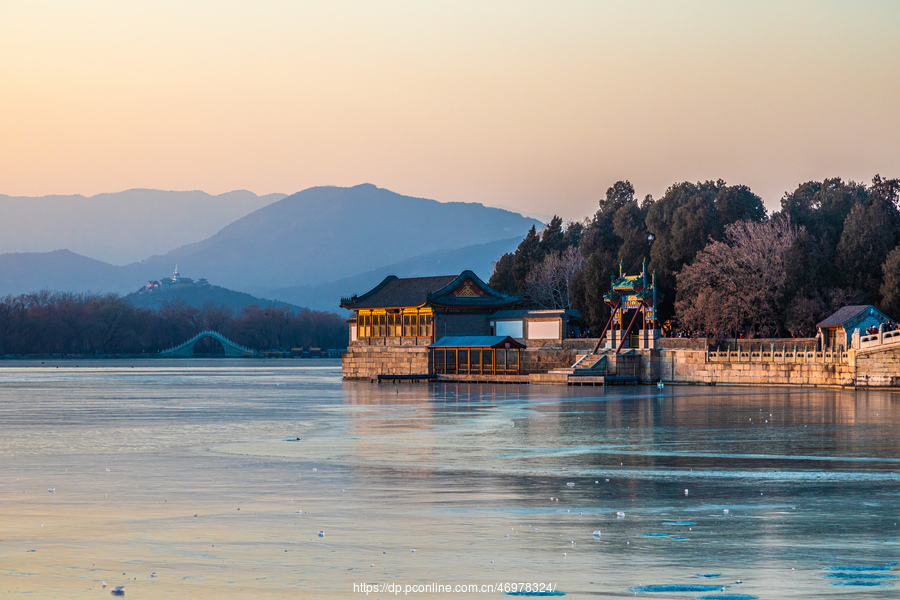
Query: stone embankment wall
x,y
691,366
554,354
368,362
548,358
878,367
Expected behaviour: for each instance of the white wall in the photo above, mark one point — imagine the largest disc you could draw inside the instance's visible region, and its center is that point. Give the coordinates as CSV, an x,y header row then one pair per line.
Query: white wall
x,y
543,330
513,329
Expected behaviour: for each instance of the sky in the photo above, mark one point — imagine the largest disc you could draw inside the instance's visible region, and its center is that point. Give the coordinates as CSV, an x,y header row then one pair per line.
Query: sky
x,y
534,106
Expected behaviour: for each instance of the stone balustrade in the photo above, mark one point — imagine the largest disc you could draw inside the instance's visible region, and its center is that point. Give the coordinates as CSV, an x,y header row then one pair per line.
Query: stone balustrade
x,y
882,338
784,353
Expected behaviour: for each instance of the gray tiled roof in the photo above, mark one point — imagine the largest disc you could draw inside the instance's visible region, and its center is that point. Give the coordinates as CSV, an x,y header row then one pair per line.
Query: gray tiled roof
x,y
417,291
843,315
411,291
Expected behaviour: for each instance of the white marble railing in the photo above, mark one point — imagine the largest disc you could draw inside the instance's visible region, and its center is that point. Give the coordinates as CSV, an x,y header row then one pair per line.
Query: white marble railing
x,y
778,353
881,338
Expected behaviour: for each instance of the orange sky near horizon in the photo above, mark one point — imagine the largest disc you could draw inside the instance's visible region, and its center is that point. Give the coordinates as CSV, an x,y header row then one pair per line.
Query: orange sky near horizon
x,y
535,106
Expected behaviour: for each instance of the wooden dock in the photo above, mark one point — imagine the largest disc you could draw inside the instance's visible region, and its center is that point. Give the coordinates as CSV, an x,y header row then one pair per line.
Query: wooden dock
x,y
551,378
398,378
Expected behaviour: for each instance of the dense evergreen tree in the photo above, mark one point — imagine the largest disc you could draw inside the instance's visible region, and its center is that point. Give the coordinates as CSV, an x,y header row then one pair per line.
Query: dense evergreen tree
x,y
870,232
819,208
890,286
601,246
502,278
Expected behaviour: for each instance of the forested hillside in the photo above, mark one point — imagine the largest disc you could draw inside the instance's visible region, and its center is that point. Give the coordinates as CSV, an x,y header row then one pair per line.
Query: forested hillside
x,y
723,265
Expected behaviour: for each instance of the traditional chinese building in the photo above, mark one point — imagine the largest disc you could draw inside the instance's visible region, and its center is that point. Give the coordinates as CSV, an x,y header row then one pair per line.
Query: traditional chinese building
x,y
631,300
396,321
836,332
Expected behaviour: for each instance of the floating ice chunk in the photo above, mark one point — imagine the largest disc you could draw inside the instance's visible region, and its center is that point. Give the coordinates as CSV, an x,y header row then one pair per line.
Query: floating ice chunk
x,y
861,576
725,510
570,484
644,589
620,514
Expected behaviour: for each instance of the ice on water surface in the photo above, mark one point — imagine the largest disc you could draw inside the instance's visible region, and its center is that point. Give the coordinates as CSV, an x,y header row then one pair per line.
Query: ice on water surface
x,y
150,462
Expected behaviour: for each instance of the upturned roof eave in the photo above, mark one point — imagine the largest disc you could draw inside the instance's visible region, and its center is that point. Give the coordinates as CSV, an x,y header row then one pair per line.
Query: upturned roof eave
x,y
380,306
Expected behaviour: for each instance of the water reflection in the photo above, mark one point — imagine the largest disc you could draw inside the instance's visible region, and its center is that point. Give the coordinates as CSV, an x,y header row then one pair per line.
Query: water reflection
x,y
486,482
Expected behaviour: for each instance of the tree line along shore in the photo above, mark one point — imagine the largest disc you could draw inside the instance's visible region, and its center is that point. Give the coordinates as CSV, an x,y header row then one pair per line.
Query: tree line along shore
x,y
724,266
73,324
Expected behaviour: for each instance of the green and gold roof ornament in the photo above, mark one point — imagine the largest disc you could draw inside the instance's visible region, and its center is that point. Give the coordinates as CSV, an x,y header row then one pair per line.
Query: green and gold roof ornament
x,y
631,293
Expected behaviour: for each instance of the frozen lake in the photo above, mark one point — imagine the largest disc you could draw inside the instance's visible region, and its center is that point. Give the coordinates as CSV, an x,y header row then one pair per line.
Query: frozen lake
x,y
214,478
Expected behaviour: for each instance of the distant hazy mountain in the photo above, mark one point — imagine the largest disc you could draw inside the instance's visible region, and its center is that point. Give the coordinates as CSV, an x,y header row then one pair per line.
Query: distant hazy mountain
x,y
198,295
327,296
24,272
327,233
123,227
323,234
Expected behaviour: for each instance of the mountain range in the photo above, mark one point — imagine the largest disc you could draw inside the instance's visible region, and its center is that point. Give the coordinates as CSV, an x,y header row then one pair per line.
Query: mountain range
x,y
122,227
308,249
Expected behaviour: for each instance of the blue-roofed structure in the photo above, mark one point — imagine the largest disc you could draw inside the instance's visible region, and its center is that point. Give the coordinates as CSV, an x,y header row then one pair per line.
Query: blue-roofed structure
x,y
837,330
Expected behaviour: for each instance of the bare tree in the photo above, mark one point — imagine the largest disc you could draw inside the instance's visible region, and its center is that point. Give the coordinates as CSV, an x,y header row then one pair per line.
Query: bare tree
x,y
733,285
547,285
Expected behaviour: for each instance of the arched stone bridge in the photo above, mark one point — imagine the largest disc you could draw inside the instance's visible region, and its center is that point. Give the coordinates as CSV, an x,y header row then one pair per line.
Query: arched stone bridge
x,y
187,348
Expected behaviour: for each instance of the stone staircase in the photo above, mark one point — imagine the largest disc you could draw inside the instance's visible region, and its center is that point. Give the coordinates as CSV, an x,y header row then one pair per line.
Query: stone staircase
x,y
587,364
